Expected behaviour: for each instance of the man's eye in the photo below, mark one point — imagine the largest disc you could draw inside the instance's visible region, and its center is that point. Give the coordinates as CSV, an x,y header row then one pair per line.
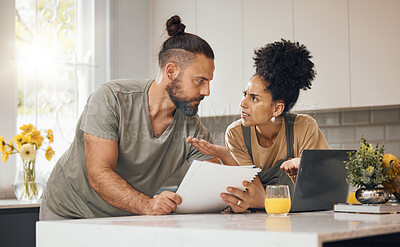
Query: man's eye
x,y
200,81
244,93
254,99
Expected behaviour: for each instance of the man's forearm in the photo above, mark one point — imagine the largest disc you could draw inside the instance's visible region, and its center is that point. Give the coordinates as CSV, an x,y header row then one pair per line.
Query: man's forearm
x,y
117,192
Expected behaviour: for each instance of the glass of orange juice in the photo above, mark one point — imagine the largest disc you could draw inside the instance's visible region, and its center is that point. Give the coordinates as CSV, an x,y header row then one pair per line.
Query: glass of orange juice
x,y
277,200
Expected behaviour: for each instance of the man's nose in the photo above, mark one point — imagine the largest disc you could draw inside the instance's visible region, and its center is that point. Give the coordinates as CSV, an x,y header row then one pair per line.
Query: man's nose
x,y
205,89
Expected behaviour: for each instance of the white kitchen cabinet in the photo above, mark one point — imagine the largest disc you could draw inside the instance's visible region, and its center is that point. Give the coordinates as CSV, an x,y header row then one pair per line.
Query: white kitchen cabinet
x,y
354,44
220,24
264,21
322,26
374,52
161,11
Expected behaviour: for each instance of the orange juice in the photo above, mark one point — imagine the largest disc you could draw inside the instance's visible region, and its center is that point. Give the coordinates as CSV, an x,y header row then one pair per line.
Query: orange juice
x,y
277,205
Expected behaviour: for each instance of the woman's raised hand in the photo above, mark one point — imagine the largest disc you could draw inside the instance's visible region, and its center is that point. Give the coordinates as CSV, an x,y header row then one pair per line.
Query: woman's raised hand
x,y
213,150
291,167
205,147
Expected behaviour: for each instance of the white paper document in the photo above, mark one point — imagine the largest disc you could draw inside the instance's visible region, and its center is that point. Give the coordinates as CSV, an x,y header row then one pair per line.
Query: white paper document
x,y
204,182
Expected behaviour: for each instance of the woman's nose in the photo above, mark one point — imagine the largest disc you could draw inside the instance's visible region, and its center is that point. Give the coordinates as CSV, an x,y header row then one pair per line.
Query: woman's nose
x,y
243,103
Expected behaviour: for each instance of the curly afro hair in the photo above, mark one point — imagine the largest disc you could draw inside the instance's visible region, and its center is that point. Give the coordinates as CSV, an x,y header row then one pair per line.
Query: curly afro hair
x,y
286,68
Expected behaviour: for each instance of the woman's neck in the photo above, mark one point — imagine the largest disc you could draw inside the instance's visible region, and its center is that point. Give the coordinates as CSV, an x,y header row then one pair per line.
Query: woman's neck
x,y
267,133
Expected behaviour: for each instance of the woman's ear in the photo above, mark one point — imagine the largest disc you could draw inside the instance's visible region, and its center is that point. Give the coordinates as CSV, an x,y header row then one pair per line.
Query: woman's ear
x,y
278,108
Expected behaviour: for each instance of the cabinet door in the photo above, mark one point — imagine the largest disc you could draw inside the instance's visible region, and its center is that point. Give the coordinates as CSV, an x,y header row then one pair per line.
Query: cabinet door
x,y
374,52
220,24
322,26
264,21
162,10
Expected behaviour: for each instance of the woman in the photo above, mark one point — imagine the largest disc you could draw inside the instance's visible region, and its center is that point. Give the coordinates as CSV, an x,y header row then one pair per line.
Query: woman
x,y
267,135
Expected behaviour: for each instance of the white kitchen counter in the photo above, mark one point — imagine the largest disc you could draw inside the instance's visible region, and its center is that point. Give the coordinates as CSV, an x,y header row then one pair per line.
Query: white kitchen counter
x,y
301,229
11,204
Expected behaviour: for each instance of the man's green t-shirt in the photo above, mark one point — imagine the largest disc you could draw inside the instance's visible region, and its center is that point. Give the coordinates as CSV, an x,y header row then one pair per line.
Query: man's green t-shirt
x,y
119,111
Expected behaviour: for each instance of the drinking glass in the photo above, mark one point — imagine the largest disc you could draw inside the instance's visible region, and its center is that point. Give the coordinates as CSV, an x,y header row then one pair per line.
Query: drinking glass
x,y
277,200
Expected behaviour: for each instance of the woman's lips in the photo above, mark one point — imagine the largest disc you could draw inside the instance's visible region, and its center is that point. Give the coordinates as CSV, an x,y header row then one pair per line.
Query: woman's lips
x,y
245,115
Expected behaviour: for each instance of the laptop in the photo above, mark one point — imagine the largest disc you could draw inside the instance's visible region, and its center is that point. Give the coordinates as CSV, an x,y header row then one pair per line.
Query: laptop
x,y
321,180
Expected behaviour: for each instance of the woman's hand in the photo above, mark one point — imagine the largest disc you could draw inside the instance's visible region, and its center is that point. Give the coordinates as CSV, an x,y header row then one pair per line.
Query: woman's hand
x,y
209,149
240,200
205,147
291,167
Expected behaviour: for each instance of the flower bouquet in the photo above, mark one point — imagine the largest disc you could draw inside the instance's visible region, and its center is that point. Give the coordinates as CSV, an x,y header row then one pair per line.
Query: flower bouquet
x,y
27,143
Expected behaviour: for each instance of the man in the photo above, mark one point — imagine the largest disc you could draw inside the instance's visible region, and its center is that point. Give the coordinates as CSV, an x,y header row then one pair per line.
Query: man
x,y
131,137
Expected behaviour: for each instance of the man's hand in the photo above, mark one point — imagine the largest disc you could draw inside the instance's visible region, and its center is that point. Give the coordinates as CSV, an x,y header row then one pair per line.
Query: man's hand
x,y
165,203
291,167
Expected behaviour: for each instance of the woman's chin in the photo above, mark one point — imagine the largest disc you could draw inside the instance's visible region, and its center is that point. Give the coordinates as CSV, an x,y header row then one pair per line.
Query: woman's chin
x,y
246,122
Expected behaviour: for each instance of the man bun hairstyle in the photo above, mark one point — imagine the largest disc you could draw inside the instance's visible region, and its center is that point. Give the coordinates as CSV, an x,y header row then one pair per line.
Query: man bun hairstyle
x,y
175,26
286,68
181,47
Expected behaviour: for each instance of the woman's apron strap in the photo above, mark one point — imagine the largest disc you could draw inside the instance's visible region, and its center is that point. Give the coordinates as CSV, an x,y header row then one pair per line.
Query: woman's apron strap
x,y
274,175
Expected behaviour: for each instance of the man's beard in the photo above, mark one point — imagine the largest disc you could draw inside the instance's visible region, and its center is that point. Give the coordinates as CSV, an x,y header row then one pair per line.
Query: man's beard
x,y
183,105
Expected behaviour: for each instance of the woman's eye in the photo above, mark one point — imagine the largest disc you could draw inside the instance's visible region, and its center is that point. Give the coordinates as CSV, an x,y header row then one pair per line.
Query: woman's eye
x,y
254,99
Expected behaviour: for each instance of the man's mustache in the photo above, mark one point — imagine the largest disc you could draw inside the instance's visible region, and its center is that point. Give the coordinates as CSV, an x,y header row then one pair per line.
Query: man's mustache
x,y
198,99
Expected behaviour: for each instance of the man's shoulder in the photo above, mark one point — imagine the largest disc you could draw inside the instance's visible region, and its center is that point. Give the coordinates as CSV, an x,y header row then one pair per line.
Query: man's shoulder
x,y
128,85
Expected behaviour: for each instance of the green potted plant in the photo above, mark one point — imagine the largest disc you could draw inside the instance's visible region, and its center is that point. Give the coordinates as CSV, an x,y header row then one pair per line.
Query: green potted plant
x,y
365,171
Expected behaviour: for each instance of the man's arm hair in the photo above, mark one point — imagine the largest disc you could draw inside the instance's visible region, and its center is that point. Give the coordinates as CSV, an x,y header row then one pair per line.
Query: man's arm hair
x,y
101,162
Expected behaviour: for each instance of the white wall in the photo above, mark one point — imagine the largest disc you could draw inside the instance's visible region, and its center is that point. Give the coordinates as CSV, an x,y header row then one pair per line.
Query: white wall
x,y
8,84
102,41
129,47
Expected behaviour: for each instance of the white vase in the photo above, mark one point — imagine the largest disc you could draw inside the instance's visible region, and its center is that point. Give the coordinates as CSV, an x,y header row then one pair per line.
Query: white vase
x,y
27,187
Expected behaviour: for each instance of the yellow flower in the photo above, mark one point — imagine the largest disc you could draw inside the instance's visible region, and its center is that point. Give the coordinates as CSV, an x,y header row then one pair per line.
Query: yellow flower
x,y
11,146
27,128
49,153
5,156
27,152
35,137
2,144
50,135
20,140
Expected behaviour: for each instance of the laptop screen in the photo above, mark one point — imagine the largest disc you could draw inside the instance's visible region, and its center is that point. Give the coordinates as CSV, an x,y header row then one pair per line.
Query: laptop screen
x,y
321,180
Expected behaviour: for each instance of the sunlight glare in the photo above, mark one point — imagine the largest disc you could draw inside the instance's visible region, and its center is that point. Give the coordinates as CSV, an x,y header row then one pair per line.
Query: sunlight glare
x,y
40,57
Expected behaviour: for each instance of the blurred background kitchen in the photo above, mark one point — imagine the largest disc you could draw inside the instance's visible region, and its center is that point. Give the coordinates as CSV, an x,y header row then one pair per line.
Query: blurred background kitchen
x,y
54,53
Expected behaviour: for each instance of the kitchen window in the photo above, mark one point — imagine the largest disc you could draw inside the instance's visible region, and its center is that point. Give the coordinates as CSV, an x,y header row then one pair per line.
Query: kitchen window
x,y
55,67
